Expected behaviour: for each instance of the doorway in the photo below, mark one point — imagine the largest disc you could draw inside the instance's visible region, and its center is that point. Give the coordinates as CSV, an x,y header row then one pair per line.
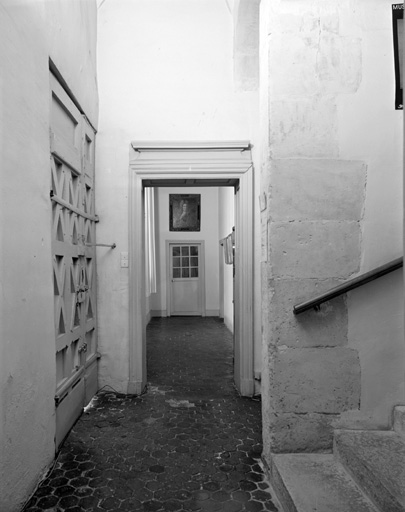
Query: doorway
x,y
192,165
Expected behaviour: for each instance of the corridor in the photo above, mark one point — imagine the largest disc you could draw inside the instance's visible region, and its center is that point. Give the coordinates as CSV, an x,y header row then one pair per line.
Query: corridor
x,y
189,443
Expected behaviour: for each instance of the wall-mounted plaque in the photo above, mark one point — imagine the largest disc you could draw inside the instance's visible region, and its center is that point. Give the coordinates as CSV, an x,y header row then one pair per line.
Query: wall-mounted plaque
x,y
398,33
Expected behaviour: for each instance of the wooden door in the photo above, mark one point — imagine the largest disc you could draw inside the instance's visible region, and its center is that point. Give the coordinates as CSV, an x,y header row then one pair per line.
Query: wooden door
x,y
186,279
74,262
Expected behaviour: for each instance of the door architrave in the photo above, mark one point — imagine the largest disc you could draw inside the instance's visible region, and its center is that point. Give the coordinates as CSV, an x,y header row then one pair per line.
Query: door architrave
x,y
187,162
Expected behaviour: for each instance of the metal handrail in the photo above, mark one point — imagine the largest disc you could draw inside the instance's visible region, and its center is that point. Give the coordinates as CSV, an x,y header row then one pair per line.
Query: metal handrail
x,y
349,285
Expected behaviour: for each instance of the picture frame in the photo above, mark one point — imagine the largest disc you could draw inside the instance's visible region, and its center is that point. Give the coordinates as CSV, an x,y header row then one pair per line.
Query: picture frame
x,y
184,212
398,35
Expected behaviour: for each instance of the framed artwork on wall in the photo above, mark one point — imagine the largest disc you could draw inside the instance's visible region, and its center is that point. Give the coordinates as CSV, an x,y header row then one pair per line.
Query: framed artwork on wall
x,y
398,35
184,212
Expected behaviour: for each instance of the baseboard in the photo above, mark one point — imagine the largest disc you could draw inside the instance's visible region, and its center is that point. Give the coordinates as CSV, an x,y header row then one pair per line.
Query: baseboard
x,y
135,387
159,313
247,387
148,317
162,313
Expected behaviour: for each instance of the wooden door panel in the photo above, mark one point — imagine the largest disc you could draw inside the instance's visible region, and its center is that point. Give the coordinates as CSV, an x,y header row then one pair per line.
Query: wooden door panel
x,y
186,297
73,250
69,409
66,127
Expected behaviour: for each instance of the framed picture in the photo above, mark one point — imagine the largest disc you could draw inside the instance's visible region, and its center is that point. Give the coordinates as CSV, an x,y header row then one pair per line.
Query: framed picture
x,y
398,34
184,212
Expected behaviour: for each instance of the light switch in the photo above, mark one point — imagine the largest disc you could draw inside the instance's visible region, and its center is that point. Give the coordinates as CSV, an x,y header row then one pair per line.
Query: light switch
x,y
124,260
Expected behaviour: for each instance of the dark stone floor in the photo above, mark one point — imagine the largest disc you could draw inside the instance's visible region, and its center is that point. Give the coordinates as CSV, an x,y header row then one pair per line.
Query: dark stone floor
x,y
189,443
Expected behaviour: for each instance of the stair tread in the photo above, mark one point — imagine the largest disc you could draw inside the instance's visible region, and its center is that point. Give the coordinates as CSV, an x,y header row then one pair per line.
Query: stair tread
x,y
319,483
376,460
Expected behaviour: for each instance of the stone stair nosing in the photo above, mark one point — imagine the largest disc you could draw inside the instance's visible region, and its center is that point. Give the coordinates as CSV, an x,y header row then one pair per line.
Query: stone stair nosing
x,y
366,473
376,462
307,482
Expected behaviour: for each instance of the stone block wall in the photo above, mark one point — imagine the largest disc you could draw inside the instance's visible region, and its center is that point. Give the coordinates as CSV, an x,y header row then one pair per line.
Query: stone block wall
x,y
314,242
312,220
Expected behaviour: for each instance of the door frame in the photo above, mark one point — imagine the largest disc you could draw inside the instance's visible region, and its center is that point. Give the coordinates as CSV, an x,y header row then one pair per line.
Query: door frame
x,y
192,164
201,266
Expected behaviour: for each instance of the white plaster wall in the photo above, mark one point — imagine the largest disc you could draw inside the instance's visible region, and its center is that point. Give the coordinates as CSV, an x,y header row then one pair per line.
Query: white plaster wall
x,y
375,135
246,44
376,330
27,354
226,204
165,72
27,342
370,129
170,64
71,31
208,234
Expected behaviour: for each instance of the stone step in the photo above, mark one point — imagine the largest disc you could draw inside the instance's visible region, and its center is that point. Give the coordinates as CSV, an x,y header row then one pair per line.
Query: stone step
x,y
399,420
376,461
315,483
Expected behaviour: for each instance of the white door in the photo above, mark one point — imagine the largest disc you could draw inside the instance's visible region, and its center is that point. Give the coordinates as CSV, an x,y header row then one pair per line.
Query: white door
x,y
186,284
74,258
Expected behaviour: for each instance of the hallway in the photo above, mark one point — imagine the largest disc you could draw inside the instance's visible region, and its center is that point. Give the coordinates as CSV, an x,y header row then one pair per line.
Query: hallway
x,y
189,443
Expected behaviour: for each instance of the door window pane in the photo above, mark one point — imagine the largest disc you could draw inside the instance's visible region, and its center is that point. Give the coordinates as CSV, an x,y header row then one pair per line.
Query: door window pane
x,y
185,262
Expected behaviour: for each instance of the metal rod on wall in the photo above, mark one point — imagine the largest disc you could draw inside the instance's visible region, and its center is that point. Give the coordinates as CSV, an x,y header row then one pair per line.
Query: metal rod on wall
x,y
112,246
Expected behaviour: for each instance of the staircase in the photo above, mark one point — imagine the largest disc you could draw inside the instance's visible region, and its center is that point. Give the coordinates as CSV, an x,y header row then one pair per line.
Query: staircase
x,y
365,473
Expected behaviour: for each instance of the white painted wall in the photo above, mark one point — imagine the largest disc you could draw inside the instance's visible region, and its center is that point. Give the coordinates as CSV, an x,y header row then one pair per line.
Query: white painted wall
x,y
226,223
30,33
208,234
376,314
370,129
375,134
71,31
165,72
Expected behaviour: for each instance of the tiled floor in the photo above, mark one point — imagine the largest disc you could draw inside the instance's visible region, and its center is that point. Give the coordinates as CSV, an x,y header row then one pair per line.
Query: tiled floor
x,y
189,443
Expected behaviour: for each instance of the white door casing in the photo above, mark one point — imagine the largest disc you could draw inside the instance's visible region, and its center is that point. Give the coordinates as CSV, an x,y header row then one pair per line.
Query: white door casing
x,y
192,164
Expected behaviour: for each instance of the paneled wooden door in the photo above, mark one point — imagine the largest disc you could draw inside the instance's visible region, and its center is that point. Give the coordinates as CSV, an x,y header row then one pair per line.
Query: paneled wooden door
x,y
186,283
74,260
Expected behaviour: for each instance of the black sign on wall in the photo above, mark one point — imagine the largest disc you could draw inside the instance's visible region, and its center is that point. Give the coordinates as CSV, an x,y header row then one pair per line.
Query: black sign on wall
x,y
398,33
